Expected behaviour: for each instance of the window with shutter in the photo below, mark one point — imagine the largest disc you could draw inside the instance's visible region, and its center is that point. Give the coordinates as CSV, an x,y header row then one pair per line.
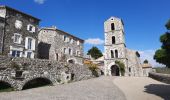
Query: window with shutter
x,y
30,28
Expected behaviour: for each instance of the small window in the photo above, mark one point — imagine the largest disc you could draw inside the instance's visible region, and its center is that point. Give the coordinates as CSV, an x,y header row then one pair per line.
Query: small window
x,y
65,38
70,51
17,38
31,28
78,53
16,53
64,51
112,54
129,69
57,56
116,53
112,26
113,40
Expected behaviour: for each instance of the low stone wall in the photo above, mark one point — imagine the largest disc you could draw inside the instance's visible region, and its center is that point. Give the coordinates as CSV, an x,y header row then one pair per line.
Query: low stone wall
x,y
160,77
18,71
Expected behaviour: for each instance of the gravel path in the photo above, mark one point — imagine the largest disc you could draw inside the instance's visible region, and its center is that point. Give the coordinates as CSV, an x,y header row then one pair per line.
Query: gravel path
x,y
143,88
93,89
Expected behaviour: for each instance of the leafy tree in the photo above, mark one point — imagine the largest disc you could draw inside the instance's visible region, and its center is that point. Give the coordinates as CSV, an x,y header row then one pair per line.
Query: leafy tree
x,y
145,61
168,25
163,55
95,52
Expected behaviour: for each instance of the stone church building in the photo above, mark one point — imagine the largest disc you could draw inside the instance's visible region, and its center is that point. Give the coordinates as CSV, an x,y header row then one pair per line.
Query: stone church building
x,y
115,50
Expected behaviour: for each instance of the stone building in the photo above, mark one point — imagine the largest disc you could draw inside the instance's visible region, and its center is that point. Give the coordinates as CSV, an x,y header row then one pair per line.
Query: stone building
x,y
55,44
115,50
146,69
18,33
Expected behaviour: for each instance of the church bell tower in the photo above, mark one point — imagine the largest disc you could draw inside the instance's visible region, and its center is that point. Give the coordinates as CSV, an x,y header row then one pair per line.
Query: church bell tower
x,y
115,48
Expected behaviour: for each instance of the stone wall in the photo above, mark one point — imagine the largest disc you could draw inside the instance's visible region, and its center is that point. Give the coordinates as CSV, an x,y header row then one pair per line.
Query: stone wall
x,y
134,63
56,72
160,77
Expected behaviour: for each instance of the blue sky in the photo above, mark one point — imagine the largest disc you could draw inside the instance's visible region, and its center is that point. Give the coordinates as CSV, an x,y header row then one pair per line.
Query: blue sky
x,y
144,19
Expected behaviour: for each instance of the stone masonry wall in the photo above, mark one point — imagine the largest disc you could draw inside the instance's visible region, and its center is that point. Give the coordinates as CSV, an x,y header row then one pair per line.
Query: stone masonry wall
x,y
55,38
10,29
160,77
56,72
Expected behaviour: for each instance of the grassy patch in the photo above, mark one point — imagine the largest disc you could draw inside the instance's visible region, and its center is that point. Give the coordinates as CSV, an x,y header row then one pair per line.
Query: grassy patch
x,y
7,90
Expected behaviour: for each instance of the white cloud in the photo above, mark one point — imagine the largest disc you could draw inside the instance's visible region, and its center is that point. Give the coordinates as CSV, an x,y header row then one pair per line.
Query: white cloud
x,y
148,54
40,1
94,41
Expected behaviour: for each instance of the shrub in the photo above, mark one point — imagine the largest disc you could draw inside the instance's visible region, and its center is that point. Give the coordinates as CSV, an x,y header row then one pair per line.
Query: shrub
x,y
121,66
93,68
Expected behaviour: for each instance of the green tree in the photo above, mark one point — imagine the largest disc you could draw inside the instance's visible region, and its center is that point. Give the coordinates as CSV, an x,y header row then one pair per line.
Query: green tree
x,y
168,25
95,52
163,55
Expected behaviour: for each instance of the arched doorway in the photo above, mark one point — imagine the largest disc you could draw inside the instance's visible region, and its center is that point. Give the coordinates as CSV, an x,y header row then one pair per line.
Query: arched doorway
x,y
115,70
5,87
37,82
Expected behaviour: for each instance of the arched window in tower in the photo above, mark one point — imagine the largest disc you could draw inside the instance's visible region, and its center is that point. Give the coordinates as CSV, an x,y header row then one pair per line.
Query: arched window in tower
x,y
112,26
112,54
113,40
116,53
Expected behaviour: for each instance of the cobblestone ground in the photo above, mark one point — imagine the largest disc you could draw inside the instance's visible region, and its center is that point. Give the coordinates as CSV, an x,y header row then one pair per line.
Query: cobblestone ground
x,y
101,88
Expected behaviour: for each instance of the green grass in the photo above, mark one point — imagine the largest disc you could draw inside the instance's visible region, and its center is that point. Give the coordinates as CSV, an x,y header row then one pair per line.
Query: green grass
x,y
7,90
163,70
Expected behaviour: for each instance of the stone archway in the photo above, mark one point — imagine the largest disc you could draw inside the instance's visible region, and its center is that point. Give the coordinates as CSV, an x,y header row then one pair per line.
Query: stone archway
x,y
72,61
115,70
36,82
5,85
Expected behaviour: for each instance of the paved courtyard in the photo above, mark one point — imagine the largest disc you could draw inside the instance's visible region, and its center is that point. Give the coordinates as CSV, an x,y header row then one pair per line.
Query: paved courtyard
x,y
143,88
103,88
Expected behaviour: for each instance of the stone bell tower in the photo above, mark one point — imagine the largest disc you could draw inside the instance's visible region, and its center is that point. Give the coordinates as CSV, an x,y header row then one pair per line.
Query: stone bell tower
x,y
115,48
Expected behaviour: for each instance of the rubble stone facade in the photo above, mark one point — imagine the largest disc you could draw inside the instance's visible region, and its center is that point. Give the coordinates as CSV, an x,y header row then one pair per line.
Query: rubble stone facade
x,y
18,33
17,72
115,50
58,45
